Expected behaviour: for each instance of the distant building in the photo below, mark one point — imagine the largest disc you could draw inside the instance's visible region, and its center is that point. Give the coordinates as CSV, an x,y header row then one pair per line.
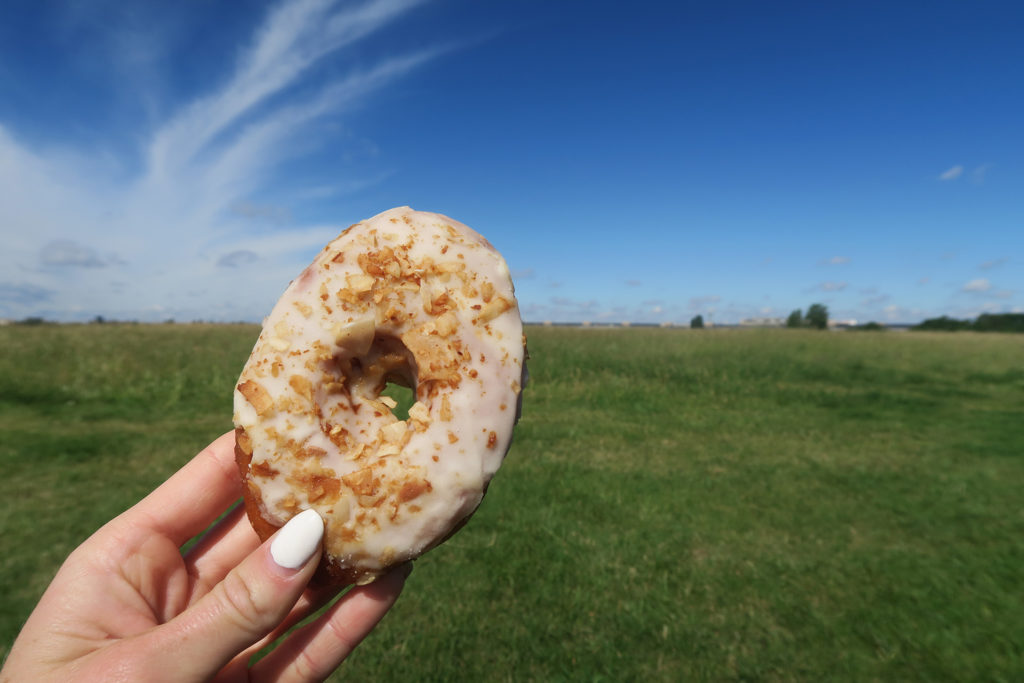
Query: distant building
x,y
762,322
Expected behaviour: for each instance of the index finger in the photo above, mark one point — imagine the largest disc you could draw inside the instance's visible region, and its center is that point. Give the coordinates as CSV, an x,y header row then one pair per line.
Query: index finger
x,y
195,495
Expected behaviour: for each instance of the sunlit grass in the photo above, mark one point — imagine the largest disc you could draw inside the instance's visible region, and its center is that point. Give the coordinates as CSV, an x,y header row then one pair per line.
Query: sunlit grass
x,y
677,504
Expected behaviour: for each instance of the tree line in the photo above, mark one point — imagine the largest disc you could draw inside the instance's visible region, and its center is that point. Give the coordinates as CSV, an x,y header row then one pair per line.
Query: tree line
x,y
986,322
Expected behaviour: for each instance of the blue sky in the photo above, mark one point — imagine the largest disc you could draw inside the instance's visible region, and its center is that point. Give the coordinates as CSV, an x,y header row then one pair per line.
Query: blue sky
x,y
637,161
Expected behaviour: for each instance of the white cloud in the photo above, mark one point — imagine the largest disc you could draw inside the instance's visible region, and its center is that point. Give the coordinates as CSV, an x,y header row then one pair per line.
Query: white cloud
x,y
832,286
994,263
71,217
62,253
837,261
952,173
977,286
978,175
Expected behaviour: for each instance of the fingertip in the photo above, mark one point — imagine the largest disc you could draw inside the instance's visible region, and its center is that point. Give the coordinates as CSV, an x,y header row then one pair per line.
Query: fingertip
x,y
298,541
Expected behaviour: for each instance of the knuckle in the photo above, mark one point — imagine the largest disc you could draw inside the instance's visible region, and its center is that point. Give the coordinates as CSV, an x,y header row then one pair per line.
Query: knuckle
x,y
305,668
241,605
344,637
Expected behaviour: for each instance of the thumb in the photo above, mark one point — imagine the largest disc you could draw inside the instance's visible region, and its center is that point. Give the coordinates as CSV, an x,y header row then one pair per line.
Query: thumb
x,y
252,600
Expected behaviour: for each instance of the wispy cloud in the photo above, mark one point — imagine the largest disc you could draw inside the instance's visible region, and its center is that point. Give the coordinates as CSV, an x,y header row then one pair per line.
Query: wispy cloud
x,y
832,286
23,293
836,261
994,263
68,253
978,286
193,210
979,173
952,173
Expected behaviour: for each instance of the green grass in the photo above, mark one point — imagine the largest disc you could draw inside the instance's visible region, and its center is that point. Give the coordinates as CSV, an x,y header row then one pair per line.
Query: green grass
x,y
711,505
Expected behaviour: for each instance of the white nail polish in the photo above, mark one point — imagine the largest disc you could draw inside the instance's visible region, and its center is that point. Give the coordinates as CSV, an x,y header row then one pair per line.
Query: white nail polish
x,y
297,540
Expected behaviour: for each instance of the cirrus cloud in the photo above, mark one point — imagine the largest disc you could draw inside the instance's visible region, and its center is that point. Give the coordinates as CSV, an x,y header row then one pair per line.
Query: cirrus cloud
x,y
978,286
952,173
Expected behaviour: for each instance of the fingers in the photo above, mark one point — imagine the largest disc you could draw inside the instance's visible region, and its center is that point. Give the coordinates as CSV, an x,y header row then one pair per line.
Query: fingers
x,y
249,603
192,498
312,652
219,551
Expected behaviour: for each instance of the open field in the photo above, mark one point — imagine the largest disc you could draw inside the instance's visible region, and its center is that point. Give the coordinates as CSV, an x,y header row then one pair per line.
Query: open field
x,y
716,505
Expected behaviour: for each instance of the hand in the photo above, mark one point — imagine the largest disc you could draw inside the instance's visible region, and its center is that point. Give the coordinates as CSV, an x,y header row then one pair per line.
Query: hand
x,y
127,605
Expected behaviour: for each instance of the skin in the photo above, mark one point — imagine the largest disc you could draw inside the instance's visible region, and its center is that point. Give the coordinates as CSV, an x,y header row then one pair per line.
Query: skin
x,y
127,605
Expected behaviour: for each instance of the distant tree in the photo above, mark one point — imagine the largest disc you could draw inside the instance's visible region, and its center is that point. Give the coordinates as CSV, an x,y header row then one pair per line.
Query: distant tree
x,y
817,316
795,319
870,327
697,322
942,324
99,320
999,322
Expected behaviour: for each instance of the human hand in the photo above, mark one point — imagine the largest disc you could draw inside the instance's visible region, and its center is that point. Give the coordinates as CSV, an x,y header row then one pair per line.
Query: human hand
x,y
127,605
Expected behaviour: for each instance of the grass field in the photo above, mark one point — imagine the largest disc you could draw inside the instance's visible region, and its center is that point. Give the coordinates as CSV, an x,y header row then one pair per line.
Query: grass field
x,y
709,505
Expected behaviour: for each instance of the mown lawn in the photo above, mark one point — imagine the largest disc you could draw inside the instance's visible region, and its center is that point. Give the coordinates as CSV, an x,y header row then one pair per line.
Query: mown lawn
x,y
711,505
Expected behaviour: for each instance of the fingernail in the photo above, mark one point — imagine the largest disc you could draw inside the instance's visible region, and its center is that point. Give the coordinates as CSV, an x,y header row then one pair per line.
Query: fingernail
x,y
297,540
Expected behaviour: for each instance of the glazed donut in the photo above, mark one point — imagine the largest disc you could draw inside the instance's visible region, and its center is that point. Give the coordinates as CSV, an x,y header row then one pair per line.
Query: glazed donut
x,y
408,297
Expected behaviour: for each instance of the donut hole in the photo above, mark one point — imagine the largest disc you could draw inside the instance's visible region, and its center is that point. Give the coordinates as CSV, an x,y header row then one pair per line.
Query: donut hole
x,y
386,368
397,369
403,396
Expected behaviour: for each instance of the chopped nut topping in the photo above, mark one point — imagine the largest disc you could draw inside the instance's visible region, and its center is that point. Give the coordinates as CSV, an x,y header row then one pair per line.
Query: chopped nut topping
x,y
243,441
301,386
319,486
419,412
492,440
450,267
394,432
446,324
256,395
359,282
487,291
360,481
446,409
493,309
310,452
413,489
262,469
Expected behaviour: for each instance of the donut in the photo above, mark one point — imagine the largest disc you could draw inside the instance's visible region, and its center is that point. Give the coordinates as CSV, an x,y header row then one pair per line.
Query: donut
x,y
409,298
